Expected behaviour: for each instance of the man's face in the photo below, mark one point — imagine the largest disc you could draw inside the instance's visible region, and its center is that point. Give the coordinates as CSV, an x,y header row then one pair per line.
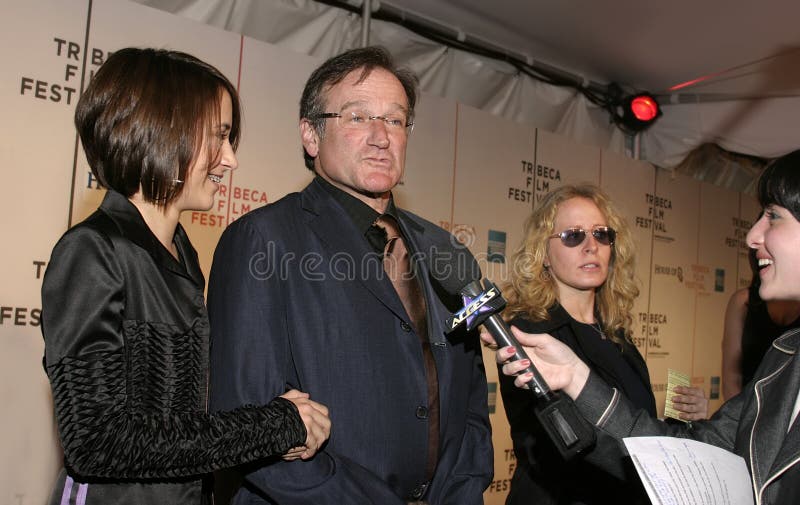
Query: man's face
x,y
367,161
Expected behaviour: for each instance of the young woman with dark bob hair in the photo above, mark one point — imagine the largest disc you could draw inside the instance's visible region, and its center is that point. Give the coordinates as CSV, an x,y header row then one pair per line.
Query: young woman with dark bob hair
x,y
759,424
124,319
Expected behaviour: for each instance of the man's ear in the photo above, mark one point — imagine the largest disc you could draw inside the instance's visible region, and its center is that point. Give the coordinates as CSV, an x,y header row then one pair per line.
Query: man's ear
x,y
309,137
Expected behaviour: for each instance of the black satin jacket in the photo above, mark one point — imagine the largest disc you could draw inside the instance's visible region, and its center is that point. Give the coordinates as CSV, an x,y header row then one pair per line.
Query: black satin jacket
x,y
602,476
126,351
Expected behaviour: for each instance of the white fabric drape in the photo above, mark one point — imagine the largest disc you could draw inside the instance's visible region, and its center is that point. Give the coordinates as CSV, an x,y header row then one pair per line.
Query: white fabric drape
x,y
307,27
755,127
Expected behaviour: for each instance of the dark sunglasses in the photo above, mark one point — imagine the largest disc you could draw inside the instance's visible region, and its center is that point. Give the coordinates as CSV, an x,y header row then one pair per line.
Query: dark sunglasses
x,y
573,237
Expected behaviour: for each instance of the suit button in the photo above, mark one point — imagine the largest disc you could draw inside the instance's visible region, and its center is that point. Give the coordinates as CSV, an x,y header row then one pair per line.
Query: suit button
x,y
421,412
419,491
405,326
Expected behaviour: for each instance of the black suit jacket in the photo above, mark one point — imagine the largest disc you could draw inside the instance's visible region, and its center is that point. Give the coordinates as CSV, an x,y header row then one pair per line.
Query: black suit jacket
x,y
297,298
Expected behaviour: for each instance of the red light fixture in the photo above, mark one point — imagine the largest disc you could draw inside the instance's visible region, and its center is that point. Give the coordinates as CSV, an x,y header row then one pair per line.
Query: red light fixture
x,y
639,112
644,107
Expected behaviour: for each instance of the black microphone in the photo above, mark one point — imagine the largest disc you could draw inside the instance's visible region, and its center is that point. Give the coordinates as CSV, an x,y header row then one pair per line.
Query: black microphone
x,y
457,272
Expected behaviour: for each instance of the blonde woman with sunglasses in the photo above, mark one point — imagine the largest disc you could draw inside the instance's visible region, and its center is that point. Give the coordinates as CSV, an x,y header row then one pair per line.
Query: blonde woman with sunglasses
x,y
573,277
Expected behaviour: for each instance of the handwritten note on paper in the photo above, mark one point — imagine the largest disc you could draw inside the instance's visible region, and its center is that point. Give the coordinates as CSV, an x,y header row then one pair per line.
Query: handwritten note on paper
x,y
674,378
679,471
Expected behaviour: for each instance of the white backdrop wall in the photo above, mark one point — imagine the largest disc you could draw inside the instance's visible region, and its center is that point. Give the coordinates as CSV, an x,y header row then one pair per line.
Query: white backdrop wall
x,y
472,172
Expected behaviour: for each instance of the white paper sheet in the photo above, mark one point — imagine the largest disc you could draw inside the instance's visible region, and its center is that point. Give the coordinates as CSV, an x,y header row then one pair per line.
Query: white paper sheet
x,y
679,471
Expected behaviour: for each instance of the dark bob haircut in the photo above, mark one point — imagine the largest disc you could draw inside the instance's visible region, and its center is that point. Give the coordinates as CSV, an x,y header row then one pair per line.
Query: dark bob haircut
x,y
334,70
144,118
779,184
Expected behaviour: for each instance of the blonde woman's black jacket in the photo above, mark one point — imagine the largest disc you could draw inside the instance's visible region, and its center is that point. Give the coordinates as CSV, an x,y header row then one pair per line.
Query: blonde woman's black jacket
x,y
126,351
602,476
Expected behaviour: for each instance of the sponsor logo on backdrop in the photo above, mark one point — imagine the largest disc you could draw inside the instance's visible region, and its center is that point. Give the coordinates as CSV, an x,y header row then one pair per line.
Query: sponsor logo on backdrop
x,y
738,237
658,210
652,326
464,233
496,249
492,397
704,279
230,204
668,270
537,180
66,89
697,278
714,394
719,280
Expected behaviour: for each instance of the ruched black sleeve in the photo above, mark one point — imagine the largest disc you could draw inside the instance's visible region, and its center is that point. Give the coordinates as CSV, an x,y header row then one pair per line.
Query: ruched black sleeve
x,y
130,394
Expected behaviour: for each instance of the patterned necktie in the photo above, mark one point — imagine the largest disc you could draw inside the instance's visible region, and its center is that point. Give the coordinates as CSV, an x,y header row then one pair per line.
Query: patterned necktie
x,y
397,264
398,267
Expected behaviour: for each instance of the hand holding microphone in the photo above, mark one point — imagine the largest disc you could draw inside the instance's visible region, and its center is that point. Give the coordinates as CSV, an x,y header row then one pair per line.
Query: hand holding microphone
x,y
570,433
563,369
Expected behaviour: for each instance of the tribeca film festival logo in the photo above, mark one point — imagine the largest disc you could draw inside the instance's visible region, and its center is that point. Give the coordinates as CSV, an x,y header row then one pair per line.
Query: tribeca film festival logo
x,y
65,91
537,179
669,271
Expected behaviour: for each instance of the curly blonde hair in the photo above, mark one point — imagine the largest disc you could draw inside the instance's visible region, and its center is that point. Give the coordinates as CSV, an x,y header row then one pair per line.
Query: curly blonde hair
x,y
532,290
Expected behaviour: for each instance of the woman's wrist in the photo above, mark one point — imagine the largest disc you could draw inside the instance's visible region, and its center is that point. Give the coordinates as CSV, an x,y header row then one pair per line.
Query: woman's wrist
x,y
580,376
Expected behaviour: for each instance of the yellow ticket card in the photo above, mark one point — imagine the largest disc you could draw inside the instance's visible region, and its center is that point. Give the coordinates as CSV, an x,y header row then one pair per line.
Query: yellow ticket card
x,y
674,378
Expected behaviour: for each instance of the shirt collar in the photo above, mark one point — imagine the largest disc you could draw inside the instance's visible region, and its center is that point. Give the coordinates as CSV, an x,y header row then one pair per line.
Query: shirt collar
x,y
362,215
132,226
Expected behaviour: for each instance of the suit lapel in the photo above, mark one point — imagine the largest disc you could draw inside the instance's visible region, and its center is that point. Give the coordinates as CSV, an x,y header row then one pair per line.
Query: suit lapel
x,y
422,254
190,263
133,227
340,239
789,451
437,313
769,430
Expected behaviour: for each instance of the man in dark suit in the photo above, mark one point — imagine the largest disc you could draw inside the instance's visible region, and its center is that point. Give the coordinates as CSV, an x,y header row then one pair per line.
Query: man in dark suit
x,y
298,297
